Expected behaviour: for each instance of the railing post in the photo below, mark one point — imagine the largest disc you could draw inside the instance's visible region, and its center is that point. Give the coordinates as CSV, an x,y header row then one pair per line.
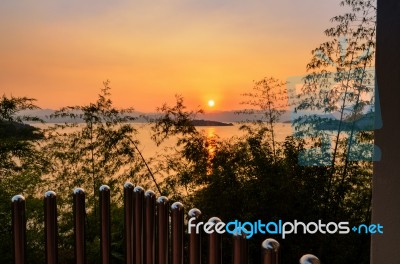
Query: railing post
x,y
162,229
79,225
309,259
19,229
50,226
177,215
138,194
270,251
105,238
149,227
240,249
215,248
194,238
128,222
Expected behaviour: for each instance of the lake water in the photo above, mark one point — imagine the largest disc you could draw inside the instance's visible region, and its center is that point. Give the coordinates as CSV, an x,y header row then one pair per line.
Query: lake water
x,y
149,148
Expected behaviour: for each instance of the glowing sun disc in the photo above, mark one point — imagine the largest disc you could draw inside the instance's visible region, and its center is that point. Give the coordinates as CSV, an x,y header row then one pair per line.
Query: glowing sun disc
x,y
211,103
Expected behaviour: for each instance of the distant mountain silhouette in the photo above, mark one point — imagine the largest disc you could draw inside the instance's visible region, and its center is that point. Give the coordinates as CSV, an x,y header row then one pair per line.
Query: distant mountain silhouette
x,y
10,129
202,122
219,116
223,118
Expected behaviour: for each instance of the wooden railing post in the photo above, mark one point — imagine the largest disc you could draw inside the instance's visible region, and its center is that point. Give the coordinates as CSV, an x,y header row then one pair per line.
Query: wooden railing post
x,y
240,249
177,217
105,236
50,226
194,238
149,227
162,229
79,225
215,247
138,197
128,223
19,229
270,251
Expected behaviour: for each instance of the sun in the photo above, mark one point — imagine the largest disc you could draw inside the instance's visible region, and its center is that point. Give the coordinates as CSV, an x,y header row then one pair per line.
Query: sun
x,y
211,103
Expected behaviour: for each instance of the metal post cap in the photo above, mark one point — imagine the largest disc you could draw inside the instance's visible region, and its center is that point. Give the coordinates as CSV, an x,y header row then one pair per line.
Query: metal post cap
x,y
309,259
78,190
270,243
49,194
177,206
194,212
104,188
17,198
162,199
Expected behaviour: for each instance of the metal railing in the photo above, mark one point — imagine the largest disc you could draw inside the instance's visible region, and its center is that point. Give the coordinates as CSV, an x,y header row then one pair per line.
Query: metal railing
x,y
146,231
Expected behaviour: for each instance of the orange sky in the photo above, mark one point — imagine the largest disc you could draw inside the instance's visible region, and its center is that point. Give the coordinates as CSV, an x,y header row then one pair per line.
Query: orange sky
x,y
60,52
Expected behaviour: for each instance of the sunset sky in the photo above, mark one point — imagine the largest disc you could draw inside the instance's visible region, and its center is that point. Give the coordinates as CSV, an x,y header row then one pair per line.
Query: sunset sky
x,y
60,52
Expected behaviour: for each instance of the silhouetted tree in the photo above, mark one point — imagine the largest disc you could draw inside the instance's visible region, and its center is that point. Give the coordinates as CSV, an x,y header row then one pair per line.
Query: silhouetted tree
x,y
21,167
268,101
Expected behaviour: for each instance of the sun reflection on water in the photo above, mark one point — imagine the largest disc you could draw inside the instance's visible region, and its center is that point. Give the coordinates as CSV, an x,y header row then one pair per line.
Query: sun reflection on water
x,y
211,142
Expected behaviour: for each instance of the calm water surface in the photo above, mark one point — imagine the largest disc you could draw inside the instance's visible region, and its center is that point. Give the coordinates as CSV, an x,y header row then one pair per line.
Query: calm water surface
x,y
149,148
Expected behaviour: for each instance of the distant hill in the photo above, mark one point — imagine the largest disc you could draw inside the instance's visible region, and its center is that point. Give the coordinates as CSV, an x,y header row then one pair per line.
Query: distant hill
x,y
219,116
10,129
44,114
202,122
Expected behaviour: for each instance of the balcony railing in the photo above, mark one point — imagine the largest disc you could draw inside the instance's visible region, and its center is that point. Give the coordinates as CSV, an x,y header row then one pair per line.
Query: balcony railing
x,y
147,224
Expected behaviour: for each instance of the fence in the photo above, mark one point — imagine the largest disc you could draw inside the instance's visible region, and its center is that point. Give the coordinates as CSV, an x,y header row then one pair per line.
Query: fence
x,y
146,231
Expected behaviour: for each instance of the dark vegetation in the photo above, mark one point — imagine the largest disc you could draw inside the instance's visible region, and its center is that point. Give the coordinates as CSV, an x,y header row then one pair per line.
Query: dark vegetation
x,y
245,178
